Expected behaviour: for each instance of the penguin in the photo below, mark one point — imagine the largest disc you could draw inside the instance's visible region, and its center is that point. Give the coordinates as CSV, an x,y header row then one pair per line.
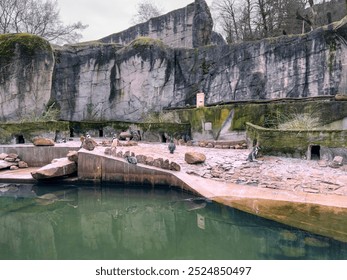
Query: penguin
x,y
253,154
114,142
172,146
82,138
131,160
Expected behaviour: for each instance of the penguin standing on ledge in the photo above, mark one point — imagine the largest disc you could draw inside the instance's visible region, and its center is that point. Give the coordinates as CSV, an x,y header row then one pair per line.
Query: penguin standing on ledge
x,y
131,160
172,146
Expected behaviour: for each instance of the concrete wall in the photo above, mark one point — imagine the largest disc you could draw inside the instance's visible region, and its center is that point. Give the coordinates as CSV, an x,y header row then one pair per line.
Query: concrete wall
x,y
37,156
297,143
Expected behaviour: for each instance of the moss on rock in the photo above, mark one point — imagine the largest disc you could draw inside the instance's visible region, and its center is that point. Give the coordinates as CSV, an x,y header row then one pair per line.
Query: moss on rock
x,y
26,43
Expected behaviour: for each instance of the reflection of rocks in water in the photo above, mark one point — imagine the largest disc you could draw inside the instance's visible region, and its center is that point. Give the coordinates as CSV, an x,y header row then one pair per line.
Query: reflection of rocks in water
x,y
195,203
314,242
131,209
16,190
292,251
47,199
50,198
288,236
191,206
96,230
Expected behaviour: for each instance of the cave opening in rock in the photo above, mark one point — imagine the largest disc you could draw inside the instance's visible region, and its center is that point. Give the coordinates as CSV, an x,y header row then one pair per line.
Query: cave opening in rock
x,y
20,139
315,152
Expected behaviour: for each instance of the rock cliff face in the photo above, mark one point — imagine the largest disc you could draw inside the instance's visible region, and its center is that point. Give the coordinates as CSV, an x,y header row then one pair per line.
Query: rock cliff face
x,y
188,27
26,66
94,81
106,81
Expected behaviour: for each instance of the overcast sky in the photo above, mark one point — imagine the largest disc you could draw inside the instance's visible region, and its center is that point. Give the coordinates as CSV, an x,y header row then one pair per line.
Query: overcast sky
x,y
105,17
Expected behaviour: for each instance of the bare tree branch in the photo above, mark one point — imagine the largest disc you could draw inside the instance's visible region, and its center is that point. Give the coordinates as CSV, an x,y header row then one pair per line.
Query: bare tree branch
x,y
39,17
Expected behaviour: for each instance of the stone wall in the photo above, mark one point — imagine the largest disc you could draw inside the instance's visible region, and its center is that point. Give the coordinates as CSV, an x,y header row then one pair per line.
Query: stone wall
x,y
229,121
298,143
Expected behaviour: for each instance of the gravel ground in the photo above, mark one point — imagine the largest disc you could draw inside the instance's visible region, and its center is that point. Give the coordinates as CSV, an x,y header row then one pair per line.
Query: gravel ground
x,y
230,165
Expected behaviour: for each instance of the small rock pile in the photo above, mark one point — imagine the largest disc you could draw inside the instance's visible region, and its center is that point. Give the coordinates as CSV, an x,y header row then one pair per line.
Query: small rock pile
x,y
147,160
11,161
107,143
238,145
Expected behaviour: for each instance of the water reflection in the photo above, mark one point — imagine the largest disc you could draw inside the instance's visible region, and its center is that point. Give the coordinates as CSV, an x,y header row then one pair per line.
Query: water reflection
x,y
113,222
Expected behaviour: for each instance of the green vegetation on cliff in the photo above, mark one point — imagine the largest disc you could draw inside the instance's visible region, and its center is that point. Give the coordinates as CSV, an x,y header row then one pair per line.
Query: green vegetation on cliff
x,y
27,43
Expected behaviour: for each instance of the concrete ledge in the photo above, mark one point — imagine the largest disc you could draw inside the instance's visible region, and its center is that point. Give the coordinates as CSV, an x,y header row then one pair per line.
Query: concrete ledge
x,y
37,156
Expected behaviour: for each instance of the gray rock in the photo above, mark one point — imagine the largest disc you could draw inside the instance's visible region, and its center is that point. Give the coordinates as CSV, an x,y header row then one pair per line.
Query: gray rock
x,y
338,160
166,164
158,162
141,159
22,164
12,155
125,135
89,144
175,166
5,164
3,156
40,141
60,168
72,156
149,161
194,157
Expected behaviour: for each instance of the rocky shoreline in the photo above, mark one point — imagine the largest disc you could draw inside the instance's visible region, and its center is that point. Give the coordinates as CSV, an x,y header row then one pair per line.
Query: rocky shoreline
x,y
230,165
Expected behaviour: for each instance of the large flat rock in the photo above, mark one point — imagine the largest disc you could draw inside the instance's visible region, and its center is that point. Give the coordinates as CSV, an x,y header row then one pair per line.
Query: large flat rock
x,y
58,168
6,164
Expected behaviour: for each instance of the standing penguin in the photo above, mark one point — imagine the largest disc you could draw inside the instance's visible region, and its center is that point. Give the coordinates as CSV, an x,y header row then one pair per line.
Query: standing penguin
x,y
172,146
131,159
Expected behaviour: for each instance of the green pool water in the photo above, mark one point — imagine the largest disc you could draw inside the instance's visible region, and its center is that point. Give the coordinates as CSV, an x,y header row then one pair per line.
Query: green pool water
x,y
118,222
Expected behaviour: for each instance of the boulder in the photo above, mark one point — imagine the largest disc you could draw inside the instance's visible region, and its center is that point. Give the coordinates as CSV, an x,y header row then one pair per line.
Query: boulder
x,y
166,164
14,167
59,168
22,164
12,155
341,97
73,156
125,135
89,144
6,164
336,163
40,141
175,166
158,162
3,156
194,157
141,159
149,161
